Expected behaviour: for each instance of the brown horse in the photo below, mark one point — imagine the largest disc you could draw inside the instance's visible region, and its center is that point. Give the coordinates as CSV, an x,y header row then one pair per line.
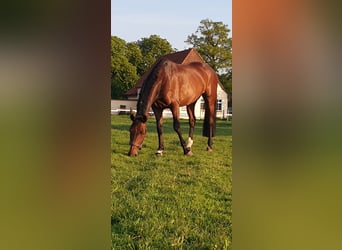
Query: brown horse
x,y
171,85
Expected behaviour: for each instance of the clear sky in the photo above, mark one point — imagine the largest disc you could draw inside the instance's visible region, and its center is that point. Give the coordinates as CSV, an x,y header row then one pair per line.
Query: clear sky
x,y
173,20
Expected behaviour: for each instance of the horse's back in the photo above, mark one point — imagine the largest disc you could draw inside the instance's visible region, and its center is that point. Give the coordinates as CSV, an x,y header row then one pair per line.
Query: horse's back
x,y
193,80
209,76
204,67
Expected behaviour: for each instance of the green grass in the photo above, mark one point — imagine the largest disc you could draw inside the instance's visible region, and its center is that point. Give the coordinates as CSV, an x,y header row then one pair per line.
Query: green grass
x,y
173,201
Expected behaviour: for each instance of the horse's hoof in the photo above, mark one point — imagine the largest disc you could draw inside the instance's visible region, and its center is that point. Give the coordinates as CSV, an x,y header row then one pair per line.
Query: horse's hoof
x,y
209,149
189,143
159,153
189,153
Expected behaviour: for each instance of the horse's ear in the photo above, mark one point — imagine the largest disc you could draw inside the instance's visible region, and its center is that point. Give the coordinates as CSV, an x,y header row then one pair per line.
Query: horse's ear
x,y
132,117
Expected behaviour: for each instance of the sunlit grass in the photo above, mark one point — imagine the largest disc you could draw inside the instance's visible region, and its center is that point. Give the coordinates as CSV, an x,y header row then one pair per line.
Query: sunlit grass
x,y
173,201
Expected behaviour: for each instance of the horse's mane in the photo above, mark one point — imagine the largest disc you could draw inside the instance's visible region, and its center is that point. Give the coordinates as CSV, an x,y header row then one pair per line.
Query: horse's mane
x,y
148,84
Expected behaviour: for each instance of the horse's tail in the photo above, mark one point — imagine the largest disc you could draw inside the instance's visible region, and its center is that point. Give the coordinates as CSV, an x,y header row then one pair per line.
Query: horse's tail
x,y
206,125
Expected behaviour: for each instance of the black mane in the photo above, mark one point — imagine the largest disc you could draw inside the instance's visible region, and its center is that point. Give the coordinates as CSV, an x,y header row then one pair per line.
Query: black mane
x,y
147,85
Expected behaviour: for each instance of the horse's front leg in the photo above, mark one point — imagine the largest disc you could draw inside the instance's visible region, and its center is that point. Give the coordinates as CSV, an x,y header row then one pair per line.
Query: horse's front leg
x,y
159,121
177,128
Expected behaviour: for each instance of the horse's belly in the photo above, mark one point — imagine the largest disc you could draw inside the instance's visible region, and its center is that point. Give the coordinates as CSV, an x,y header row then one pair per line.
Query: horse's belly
x,y
162,103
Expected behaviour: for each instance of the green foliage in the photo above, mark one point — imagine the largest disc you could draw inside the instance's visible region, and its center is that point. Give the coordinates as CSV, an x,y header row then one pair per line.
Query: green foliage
x,y
134,54
129,61
123,72
173,201
213,43
226,81
151,48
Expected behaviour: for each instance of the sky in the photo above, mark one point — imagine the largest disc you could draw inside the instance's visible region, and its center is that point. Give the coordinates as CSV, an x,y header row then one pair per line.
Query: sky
x,y
173,20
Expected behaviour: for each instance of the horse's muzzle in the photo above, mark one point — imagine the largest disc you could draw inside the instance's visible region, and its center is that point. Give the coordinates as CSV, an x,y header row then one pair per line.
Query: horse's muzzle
x,y
133,151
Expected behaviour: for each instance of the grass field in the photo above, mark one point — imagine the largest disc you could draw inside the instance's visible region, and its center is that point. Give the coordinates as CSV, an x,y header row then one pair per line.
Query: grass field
x,y
173,201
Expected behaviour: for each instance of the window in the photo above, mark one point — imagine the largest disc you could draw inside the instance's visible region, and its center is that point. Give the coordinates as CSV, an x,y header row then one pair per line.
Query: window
x,y
219,105
202,104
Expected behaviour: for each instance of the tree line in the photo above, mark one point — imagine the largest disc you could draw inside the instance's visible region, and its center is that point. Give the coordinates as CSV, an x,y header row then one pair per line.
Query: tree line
x,y
130,60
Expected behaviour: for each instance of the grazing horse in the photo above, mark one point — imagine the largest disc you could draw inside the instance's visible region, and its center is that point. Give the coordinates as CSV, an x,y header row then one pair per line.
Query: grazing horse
x,y
171,85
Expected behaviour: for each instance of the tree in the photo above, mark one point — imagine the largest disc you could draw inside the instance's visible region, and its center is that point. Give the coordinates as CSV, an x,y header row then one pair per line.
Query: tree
x,y
129,61
123,71
151,48
133,54
212,42
226,80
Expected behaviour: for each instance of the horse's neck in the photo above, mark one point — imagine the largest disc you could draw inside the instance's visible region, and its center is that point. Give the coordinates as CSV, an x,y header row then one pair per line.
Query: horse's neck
x,y
143,108
146,101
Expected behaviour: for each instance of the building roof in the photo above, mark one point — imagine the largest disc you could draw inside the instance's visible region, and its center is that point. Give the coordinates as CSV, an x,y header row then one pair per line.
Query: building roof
x,y
181,57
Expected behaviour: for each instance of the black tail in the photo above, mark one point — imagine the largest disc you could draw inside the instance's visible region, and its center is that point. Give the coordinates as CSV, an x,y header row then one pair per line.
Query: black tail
x,y
206,125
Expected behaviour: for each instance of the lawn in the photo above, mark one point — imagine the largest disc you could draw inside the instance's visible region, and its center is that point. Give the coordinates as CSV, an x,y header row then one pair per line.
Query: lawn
x,y
173,201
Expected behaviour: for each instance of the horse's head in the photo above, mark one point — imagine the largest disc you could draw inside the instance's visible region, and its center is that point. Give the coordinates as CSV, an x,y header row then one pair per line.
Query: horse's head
x,y
137,134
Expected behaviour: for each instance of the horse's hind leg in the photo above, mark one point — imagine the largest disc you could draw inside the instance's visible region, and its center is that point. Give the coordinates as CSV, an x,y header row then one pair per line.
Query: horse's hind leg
x,y
210,120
